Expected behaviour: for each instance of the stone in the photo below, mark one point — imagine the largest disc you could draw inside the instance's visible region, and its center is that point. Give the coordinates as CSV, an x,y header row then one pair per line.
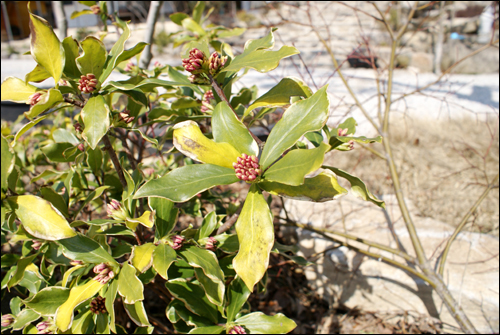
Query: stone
x,y
346,277
422,61
487,61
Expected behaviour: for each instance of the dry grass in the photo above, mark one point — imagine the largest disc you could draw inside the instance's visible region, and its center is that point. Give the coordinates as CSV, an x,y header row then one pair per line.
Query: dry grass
x,y
444,167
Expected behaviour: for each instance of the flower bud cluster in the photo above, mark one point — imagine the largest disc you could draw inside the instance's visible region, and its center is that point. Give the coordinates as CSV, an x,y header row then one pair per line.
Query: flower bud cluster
x,y
126,117
34,98
45,327
237,330
88,83
350,144
96,9
206,105
7,320
195,60
216,62
115,210
81,147
98,305
158,64
247,167
104,273
342,132
177,242
36,244
211,242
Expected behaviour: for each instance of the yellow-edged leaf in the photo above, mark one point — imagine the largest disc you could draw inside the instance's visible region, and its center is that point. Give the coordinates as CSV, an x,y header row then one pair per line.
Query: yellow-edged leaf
x,y
256,236
46,48
15,89
189,140
78,294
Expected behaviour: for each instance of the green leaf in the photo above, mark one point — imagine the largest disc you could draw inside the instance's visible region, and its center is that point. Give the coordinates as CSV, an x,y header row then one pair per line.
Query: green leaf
x,y
358,188
8,160
25,317
228,243
142,256
323,187
280,94
72,52
261,60
129,286
95,116
227,128
110,306
292,169
259,323
166,216
185,182
38,74
62,135
189,140
45,46
349,124
83,322
339,142
77,295
40,218
147,85
193,297
191,25
163,257
85,249
55,199
301,117
47,301
137,313
76,14
16,90
55,152
208,330
115,51
198,11
256,236
93,58
18,275
129,53
117,231
94,159
101,324
238,294
226,33
208,225
178,17
212,278
186,102
47,100
177,308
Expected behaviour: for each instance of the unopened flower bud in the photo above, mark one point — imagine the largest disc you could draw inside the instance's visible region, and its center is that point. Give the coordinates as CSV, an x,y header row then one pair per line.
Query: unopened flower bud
x,y
198,79
216,63
177,242
96,9
115,210
157,64
126,117
351,144
7,320
100,267
44,327
88,83
342,132
211,242
247,167
81,147
78,127
98,305
75,262
130,65
34,98
237,330
36,244
195,60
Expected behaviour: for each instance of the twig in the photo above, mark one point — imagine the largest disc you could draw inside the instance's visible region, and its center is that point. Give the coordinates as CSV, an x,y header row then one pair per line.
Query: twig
x,y
460,226
112,154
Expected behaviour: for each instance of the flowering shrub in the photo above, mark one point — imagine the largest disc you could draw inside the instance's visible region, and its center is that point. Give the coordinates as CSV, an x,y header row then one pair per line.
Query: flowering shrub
x,y
96,225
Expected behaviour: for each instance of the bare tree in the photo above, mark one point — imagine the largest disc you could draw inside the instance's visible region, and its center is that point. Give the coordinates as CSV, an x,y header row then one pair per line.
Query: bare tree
x,y
154,10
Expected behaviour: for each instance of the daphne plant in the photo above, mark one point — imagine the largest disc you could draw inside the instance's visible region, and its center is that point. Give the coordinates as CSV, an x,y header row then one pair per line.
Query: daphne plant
x,y
98,226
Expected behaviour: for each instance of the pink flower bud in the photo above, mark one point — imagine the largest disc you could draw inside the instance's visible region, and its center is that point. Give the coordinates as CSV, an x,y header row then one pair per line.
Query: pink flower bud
x,y
34,98
81,147
157,64
177,242
36,244
78,127
76,262
211,242
44,327
247,167
237,330
7,320
100,267
95,9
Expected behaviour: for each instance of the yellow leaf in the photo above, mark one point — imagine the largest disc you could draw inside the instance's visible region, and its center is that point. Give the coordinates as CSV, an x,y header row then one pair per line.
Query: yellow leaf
x,y
256,236
15,89
142,256
189,140
78,294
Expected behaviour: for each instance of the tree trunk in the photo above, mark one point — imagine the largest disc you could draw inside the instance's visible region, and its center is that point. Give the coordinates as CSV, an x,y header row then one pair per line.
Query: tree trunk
x,y
438,47
154,10
62,23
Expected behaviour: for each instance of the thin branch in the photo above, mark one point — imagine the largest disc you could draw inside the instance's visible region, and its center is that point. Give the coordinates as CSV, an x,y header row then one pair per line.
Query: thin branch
x,y
461,225
112,154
